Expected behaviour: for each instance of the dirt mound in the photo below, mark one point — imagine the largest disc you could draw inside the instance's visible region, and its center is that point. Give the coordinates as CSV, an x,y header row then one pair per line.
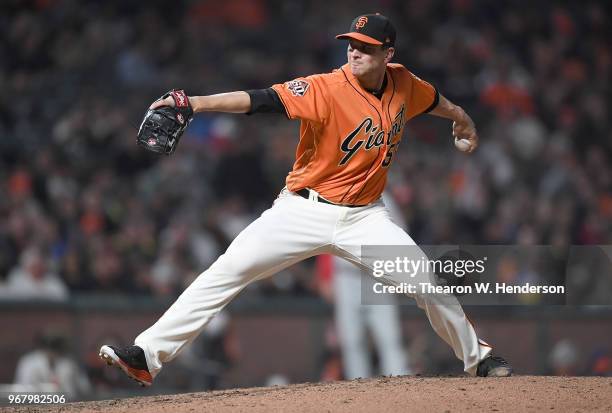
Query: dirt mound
x,y
385,394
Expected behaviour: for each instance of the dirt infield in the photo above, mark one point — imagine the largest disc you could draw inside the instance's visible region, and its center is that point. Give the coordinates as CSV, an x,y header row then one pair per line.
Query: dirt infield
x,y
385,394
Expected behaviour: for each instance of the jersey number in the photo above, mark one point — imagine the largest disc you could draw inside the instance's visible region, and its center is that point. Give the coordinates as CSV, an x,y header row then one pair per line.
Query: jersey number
x,y
389,156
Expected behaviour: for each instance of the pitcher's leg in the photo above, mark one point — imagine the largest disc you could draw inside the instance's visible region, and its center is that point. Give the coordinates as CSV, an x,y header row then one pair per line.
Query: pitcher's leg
x,y
282,236
450,323
445,314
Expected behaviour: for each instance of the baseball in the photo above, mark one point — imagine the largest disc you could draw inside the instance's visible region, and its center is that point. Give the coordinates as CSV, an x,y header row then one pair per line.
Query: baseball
x,y
463,144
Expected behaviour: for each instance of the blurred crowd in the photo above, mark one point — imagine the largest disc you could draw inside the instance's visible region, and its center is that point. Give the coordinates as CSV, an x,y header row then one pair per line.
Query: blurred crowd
x,y
83,209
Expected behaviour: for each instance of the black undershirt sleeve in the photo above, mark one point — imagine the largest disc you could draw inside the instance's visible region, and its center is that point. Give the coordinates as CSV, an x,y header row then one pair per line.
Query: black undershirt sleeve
x,y
265,101
435,101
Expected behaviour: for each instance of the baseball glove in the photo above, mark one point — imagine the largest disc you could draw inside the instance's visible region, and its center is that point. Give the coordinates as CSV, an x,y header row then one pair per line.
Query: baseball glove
x,y
162,128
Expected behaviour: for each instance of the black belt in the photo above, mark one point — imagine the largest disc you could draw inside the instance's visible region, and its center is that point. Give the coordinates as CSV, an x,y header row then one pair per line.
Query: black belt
x,y
305,193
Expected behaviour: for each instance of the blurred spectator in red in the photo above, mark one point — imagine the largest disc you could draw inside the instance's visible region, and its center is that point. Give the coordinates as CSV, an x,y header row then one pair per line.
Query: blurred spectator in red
x,y
601,363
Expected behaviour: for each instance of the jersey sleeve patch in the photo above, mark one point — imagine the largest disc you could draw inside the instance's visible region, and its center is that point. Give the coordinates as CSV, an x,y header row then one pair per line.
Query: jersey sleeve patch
x,y
297,87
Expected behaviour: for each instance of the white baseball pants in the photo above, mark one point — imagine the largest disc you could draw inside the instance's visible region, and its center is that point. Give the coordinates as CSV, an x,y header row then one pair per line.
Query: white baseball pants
x,y
291,231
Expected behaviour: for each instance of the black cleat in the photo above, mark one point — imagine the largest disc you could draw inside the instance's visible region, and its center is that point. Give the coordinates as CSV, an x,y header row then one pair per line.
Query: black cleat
x,y
131,360
494,366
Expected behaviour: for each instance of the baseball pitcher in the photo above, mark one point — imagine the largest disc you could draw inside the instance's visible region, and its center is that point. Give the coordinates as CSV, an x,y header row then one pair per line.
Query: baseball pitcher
x,y
351,124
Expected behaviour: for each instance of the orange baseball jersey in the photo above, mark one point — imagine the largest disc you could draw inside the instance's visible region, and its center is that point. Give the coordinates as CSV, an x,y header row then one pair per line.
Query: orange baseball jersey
x,y
348,137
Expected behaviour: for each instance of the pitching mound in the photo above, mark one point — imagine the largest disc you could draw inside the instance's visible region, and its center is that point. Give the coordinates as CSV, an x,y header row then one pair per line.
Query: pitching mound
x,y
394,394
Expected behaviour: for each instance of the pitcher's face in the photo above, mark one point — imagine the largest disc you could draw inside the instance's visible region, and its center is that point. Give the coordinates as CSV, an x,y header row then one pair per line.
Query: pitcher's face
x,y
364,58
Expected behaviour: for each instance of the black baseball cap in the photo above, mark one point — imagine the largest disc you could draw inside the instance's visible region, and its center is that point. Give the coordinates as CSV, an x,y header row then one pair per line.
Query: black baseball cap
x,y
372,29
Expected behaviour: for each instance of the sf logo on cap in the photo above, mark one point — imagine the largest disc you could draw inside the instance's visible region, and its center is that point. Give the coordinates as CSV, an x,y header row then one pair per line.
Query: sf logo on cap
x,y
361,22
